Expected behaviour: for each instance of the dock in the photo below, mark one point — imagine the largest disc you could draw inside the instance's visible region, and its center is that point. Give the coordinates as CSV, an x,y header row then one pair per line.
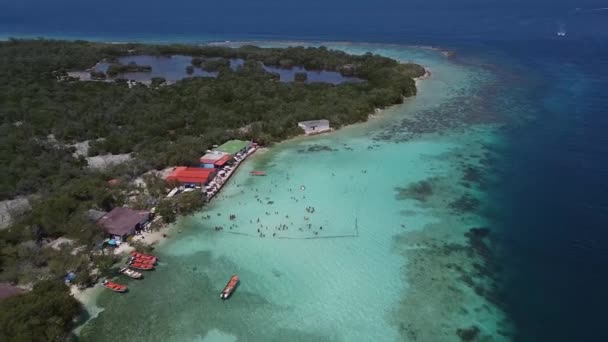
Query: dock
x,y
225,173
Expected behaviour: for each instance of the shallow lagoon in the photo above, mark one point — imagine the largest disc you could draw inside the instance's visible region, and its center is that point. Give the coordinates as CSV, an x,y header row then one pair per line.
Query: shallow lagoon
x,y
387,265
173,69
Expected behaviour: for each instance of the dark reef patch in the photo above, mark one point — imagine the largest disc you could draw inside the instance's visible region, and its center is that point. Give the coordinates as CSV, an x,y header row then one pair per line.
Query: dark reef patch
x,y
409,331
461,111
472,175
465,204
450,271
468,334
419,191
439,119
477,242
483,275
316,148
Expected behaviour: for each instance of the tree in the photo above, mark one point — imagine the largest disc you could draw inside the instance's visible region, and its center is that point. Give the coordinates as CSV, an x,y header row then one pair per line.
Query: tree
x,y
157,81
104,262
98,75
44,314
165,209
197,61
300,77
189,202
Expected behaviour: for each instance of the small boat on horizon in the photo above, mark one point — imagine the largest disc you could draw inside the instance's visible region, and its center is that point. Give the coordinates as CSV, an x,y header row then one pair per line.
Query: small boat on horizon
x,y
230,287
130,273
114,286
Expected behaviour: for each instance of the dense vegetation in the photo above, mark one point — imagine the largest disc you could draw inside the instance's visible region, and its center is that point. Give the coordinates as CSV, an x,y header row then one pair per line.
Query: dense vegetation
x,y
44,314
43,112
167,125
211,64
300,76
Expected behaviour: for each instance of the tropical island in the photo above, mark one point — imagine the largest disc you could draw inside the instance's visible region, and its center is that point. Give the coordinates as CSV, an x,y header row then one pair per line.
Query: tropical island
x,y
55,126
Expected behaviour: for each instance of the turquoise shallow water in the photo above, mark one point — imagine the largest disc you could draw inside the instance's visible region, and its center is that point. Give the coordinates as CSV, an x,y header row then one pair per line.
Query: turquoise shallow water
x,y
375,261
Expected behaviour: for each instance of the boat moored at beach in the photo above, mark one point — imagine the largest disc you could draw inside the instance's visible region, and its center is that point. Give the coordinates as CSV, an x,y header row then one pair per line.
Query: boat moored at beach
x,y
139,255
114,286
142,261
141,266
130,273
230,287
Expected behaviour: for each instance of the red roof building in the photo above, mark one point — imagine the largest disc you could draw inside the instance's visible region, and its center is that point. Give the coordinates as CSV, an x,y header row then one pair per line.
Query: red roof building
x,y
215,159
222,161
191,175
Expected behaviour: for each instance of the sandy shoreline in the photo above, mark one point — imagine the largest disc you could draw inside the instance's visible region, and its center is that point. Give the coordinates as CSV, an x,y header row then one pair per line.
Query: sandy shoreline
x,y
87,297
150,238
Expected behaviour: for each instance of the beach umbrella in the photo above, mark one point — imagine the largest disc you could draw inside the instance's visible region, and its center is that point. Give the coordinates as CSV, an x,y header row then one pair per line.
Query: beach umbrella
x,y
70,276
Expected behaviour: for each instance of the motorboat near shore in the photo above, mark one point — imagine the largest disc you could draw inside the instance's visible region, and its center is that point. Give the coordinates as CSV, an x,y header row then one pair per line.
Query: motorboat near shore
x,y
130,273
230,287
258,173
114,286
143,261
139,255
140,266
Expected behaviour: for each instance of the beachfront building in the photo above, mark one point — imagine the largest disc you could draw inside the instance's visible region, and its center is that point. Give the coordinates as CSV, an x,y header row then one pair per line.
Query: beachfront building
x,y
191,175
234,147
314,126
214,160
120,223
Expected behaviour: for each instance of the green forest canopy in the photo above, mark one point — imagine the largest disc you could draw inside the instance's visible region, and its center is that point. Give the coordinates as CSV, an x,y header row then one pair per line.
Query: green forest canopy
x,y
167,125
44,314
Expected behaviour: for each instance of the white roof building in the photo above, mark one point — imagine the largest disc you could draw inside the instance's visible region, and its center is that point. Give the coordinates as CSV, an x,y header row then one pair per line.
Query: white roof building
x,y
315,126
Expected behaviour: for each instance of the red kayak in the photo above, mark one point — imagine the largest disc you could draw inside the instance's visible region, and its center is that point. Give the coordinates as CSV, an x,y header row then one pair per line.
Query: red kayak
x,y
143,256
258,173
141,266
230,287
114,286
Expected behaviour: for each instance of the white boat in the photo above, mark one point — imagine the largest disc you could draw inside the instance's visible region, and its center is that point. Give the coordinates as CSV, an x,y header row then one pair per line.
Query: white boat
x,y
130,273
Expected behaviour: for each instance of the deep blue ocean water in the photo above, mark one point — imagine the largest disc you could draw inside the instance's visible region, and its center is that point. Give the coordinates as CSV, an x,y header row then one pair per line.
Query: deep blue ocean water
x,y
551,201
